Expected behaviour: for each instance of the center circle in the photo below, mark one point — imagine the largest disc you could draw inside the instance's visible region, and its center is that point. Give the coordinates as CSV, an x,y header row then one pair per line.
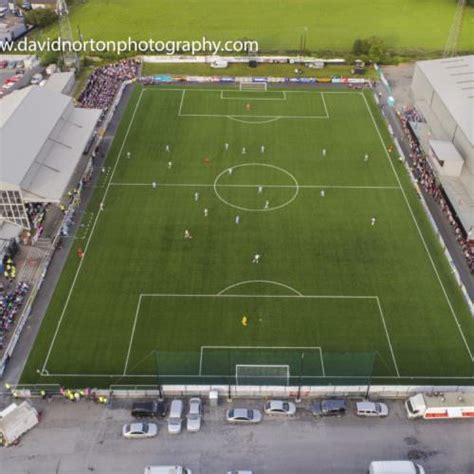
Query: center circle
x,y
293,180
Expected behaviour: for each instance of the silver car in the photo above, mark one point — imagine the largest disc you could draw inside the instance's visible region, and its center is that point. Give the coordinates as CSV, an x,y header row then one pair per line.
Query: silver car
x,y
279,407
193,418
243,415
139,430
371,409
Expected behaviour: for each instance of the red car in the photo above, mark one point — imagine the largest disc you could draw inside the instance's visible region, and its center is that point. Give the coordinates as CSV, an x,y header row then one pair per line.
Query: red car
x,y
3,64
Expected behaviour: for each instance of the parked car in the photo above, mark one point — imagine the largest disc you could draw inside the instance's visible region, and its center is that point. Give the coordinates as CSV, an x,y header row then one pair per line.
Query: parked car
x,y
12,64
167,470
151,409
175,419
397,467
193,418
139,430
36,79
374,409
15,78
331,407
243,415
279,407
3,64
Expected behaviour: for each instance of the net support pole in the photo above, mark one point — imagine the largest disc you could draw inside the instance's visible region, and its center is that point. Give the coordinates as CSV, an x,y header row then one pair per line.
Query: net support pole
x,y
298,396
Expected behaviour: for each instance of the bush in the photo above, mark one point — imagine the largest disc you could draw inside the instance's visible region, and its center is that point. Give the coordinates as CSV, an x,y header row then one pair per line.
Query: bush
x,y
372,49
41,17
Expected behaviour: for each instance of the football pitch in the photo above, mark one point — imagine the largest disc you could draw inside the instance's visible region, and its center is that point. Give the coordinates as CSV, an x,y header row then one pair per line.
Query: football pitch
x,y
350,284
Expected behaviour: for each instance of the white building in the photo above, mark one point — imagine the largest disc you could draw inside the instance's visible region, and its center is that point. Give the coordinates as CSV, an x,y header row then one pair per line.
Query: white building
x,y
443,91
42,138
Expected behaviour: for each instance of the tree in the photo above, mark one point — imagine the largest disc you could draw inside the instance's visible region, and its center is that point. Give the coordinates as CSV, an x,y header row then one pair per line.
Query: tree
x,y
40,17
372,48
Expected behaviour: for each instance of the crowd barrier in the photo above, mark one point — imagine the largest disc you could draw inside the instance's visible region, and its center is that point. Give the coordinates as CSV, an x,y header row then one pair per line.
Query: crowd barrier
x,y
245,391
171,78
202,59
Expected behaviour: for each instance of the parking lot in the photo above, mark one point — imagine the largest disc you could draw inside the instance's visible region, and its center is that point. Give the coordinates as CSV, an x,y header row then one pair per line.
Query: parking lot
x,y
86,437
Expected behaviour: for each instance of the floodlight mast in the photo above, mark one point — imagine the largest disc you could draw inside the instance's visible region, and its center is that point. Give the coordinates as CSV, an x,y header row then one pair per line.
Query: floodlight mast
x,y
451,46
70,58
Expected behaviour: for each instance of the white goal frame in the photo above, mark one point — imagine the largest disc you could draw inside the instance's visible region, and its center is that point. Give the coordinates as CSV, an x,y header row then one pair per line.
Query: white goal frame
x,y
253,86
285,375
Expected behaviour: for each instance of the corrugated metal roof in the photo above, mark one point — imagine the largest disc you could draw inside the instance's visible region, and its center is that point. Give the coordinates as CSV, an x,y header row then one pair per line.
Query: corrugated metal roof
x,y
26,129
453,81
42,138
59,81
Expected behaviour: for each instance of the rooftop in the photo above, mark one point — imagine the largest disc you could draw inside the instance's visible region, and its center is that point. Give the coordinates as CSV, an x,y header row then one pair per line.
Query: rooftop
x,y
453,80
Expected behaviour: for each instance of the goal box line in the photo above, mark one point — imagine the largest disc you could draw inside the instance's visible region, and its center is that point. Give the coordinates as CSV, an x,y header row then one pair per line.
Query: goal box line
x,y
296,349
239,96
247,116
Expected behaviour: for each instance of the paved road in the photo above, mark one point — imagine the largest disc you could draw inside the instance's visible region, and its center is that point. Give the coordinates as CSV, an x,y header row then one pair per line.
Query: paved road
x,y
84,437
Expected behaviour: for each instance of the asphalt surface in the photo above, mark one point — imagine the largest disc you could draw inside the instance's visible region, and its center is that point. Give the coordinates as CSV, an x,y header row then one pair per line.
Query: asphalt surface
x,y
84,437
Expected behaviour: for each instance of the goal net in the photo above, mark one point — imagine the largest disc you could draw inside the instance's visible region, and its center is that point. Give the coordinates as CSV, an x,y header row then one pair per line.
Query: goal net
x,y
262,374
253,86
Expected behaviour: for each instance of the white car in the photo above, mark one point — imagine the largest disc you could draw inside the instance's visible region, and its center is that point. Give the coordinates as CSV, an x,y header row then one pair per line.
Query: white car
x,y
36,79
372,409
175,420
243,415
193,418
279,407
139,430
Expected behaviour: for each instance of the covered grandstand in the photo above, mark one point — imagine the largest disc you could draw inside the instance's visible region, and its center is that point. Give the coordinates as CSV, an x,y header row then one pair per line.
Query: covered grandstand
x,y
443,91
42,139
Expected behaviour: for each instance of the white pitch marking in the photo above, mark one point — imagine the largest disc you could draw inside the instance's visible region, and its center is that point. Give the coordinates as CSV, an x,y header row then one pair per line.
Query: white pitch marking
x,y
91,234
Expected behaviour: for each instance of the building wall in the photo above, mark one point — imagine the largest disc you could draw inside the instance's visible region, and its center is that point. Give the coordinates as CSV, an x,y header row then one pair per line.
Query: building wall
x,y
421,90
443,115
466,150
420,87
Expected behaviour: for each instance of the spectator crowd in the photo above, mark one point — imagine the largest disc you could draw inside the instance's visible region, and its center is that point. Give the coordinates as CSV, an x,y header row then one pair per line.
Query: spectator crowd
x,y
105,82
10,305
425,177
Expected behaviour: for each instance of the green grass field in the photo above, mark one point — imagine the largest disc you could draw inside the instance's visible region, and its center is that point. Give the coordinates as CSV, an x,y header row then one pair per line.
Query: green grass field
x,y
277,25
356,299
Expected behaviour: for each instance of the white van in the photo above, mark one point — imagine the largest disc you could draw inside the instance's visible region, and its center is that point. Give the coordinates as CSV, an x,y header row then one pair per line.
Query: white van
x,y
167,470
175,419
395,467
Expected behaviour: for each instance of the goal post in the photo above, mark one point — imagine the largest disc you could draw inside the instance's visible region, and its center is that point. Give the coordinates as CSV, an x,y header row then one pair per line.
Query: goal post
x,y
256,374
253,86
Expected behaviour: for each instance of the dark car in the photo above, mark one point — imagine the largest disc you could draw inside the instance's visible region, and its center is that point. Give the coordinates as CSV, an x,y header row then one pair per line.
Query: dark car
x,y
152,409
332,407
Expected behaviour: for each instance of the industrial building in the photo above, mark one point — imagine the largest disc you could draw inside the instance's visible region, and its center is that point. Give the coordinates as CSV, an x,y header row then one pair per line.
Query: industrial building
x,y
443,91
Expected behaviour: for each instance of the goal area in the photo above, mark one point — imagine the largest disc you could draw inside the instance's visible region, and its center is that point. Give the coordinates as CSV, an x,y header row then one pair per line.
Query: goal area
x,y
253,86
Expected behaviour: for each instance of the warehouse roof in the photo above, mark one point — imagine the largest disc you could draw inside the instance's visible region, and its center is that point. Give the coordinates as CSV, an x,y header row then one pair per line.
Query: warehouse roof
x,y
59,81
42,137
453,81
